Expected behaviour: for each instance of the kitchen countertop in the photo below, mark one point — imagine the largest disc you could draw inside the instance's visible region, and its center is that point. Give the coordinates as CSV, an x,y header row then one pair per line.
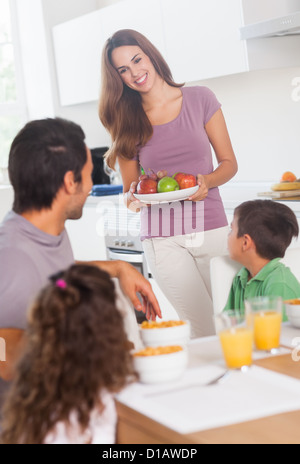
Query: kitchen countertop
x,y
235,193
95,200
232,193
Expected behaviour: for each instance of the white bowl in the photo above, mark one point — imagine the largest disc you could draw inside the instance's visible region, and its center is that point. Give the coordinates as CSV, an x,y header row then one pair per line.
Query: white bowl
x,y
293,312
161,368
177,335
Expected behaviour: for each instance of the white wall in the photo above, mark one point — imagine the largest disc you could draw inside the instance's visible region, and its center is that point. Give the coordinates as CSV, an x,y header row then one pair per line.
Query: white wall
x,y
6,200
262,118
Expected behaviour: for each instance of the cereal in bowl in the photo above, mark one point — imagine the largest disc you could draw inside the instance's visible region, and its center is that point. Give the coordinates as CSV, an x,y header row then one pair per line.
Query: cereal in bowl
x,y
159,350
161,325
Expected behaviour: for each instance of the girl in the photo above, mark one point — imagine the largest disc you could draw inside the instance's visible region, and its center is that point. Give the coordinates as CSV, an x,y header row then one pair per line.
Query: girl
x,y
77,357
160,125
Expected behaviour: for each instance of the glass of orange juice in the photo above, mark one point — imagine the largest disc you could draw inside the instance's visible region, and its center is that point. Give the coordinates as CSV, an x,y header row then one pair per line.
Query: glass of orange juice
x,y
265,316
236,339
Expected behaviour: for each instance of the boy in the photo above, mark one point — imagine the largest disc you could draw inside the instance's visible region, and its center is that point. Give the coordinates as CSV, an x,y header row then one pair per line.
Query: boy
x,y
261,231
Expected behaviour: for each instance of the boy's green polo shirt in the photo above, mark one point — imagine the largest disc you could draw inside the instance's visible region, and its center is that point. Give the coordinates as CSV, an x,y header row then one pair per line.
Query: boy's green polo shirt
x,y
275,279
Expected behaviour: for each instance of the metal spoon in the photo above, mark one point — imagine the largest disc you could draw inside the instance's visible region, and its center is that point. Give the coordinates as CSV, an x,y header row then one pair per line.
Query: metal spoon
x,y
217,379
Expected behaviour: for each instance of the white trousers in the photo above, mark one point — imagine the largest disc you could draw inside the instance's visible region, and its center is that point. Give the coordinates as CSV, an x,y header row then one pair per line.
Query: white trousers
x,y
181,267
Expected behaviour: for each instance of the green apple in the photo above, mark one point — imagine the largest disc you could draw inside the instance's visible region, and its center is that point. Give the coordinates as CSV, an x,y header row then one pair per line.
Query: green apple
x,y
167,184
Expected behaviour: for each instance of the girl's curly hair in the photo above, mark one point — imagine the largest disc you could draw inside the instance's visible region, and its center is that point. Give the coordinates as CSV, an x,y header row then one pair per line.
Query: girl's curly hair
x,y
76,346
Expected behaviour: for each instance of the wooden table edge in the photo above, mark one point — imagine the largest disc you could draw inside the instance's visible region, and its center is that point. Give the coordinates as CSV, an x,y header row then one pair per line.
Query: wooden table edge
x,y
136,428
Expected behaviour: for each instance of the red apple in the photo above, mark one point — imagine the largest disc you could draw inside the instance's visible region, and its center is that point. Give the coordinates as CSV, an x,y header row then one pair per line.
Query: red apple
x,y
185,180
146,186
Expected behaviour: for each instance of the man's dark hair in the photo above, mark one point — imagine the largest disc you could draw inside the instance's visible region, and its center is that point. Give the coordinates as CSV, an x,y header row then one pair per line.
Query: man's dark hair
x,y
271,226
40,155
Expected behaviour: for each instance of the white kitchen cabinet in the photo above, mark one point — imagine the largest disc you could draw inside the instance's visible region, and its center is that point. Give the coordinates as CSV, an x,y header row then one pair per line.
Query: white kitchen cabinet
x,y
192,35
202,38
77,47
134,14
199,39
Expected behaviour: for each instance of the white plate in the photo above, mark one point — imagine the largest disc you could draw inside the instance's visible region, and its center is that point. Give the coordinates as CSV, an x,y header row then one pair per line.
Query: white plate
x,y
166,197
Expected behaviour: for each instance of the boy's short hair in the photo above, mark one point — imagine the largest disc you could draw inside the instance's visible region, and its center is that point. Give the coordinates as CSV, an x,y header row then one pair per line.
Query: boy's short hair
x,y
271,226
40,155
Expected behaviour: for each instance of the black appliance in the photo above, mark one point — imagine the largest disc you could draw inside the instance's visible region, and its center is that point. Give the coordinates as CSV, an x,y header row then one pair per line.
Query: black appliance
x,y
99,176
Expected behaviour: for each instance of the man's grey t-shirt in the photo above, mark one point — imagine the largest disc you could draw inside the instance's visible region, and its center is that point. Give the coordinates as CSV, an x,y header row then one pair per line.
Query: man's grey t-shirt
x,y
28,257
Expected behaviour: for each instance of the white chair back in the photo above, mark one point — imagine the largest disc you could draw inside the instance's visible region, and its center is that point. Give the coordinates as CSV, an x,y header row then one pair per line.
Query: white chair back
x,y
292,260
223,270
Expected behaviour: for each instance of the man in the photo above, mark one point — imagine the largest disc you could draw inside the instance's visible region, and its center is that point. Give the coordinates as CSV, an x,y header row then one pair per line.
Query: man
x,y
50,170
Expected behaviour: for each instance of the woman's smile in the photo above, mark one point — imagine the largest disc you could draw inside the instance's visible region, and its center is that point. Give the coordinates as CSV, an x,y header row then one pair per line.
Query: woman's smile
x,y
142,80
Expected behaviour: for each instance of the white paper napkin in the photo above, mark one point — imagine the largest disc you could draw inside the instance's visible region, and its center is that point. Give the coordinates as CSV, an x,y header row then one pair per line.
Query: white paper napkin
x,y
238,398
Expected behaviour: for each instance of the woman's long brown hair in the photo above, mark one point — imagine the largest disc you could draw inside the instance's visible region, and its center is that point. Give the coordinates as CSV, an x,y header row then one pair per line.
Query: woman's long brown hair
x,y
76,347
120,109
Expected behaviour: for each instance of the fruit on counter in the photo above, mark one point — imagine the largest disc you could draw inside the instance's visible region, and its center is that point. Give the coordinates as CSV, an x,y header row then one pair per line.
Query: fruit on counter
x,y
288,177
167,184
185,180
286,186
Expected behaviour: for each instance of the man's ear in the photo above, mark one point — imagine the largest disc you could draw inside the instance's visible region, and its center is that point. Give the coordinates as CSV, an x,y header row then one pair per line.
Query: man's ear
x,y
69,183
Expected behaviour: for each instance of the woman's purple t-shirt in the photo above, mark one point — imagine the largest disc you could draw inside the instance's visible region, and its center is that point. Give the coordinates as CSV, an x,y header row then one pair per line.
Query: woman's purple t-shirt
x,y
182,145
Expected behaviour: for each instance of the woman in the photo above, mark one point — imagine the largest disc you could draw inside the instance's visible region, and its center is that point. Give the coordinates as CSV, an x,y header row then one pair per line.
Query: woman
x,y
160,125
77,357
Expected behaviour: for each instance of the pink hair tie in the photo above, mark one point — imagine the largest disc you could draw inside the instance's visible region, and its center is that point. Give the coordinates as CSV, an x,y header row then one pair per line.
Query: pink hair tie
x,y
60,283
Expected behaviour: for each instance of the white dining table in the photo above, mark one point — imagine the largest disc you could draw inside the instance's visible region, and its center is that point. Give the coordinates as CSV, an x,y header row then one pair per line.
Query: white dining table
x,y
258,405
